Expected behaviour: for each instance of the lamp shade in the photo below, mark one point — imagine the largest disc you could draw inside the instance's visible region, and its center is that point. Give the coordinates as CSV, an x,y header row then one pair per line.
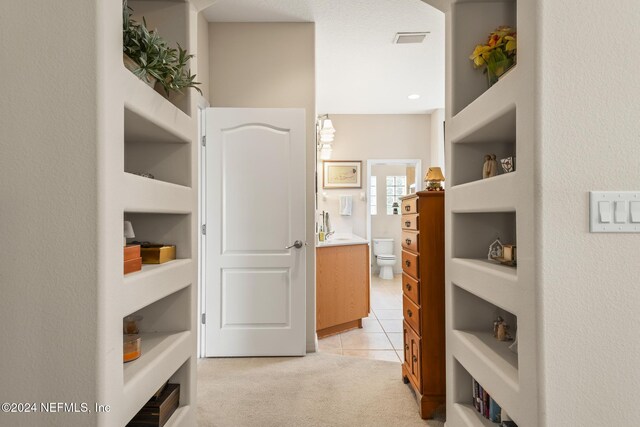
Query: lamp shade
x,y
128,230
325,152
327,127
434,174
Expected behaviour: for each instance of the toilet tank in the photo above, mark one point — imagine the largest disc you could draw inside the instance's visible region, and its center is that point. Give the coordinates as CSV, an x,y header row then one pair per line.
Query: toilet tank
x,y
383,246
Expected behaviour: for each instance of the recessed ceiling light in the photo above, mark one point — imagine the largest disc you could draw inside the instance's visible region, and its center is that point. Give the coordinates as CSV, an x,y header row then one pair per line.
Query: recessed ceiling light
x,y
414,96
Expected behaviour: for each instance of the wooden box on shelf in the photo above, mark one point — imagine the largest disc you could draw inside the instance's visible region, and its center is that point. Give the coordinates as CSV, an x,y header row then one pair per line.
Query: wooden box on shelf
x,y
423,301
158,254
157,411
132,259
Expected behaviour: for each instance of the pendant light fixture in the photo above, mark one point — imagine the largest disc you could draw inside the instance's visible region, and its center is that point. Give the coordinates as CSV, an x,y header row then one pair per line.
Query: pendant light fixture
x,y
325,136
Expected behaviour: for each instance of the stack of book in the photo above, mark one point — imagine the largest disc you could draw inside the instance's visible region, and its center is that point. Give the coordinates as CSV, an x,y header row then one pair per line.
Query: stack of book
x,y
484,404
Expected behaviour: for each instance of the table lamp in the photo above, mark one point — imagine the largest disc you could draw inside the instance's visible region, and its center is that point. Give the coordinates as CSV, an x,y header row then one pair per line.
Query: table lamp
x,y
433,178
128,232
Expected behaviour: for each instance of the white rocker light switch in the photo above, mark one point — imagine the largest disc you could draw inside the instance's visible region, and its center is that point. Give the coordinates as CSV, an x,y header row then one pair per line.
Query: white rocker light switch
x,y
634,207
621,212
604,209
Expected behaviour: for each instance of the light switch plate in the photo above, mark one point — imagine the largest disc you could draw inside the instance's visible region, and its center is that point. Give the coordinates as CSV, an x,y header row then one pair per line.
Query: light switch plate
x,y
620,212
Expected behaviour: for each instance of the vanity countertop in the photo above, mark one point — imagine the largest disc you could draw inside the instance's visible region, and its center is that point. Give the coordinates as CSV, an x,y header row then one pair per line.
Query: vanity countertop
x,y
342,240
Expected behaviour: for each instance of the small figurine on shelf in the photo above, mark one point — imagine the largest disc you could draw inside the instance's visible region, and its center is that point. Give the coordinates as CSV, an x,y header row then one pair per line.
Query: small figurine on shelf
x,y
500,330
508,164
490,167
495,250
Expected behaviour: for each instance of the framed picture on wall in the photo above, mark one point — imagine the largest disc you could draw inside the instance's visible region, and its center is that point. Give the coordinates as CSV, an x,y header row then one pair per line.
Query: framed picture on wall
x,y
342,174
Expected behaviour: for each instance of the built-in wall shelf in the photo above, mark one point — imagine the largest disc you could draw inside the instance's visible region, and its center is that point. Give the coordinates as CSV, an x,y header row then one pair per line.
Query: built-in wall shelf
x,y
495,194
154,282
472,22
162,354
171,20
144,132
163,228
140,194
494,353
149,148
149,104
497,120
493,282
471,418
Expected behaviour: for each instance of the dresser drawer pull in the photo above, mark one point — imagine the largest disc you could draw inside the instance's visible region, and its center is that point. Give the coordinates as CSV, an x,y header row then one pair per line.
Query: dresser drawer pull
x,y
406,347
407,241
407,223
415,359
407,208
409,313
408,287
407,263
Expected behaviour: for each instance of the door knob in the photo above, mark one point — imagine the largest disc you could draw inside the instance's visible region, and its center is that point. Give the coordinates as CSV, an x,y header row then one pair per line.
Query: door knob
x,y
297,244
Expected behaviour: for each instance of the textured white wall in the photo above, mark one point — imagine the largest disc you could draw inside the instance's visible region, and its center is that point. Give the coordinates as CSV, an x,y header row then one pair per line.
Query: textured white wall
x,y
366,137
270,65
588,139
48,213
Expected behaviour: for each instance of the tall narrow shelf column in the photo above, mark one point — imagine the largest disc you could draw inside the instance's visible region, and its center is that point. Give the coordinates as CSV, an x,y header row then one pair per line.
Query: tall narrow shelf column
x,y
497,120
144,132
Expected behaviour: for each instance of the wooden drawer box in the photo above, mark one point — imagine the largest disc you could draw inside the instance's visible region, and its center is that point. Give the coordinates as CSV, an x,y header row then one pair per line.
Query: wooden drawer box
x,y
411,288
132,259
410,264
158,254
411,314
157,411
410,240
410,222
410,206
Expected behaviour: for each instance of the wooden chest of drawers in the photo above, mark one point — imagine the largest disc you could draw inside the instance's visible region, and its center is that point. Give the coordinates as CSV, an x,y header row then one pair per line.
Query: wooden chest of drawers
x,y
423,300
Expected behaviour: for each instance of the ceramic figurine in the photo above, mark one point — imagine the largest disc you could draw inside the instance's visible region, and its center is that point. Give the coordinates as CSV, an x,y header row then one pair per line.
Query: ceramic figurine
x,y
499,320
486,168
495,250
503,335
493,166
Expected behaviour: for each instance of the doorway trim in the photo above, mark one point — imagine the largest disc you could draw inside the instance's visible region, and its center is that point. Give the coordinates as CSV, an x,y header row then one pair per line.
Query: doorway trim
x,y
376,162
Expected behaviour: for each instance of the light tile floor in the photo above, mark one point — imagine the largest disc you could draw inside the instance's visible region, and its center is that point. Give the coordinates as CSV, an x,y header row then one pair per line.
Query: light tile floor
x,y
381,334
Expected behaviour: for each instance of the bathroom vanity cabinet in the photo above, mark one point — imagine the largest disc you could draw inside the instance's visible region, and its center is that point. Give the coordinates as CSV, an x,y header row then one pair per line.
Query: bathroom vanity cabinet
x,y
423,298
342,287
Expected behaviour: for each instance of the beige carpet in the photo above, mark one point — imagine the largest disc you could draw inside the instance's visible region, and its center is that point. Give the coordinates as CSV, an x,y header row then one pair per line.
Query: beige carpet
x,y
317,390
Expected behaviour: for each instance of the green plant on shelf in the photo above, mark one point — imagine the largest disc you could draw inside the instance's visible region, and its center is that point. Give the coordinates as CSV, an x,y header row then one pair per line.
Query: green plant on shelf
x,y
153,59
498,55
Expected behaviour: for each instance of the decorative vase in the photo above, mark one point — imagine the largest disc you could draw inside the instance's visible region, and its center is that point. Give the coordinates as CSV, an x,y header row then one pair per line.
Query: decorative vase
x,y
132,66
495,69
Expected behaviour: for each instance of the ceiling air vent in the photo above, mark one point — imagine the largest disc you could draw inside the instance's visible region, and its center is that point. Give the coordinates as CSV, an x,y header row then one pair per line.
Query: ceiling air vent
x,y
404,38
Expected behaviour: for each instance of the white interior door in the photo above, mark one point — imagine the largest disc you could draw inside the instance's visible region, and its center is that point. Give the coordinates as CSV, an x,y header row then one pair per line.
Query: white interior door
x,y
255,209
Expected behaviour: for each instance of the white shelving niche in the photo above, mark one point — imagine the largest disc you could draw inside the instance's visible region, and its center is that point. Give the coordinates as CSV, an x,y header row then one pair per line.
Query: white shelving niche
x,y
147,132
479,121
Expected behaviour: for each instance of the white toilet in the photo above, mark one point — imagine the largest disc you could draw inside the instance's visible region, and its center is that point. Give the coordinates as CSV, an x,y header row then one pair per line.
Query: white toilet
x,y
383,251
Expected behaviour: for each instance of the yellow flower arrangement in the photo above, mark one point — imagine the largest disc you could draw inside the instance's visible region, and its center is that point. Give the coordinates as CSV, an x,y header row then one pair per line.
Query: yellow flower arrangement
x,y
498,55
